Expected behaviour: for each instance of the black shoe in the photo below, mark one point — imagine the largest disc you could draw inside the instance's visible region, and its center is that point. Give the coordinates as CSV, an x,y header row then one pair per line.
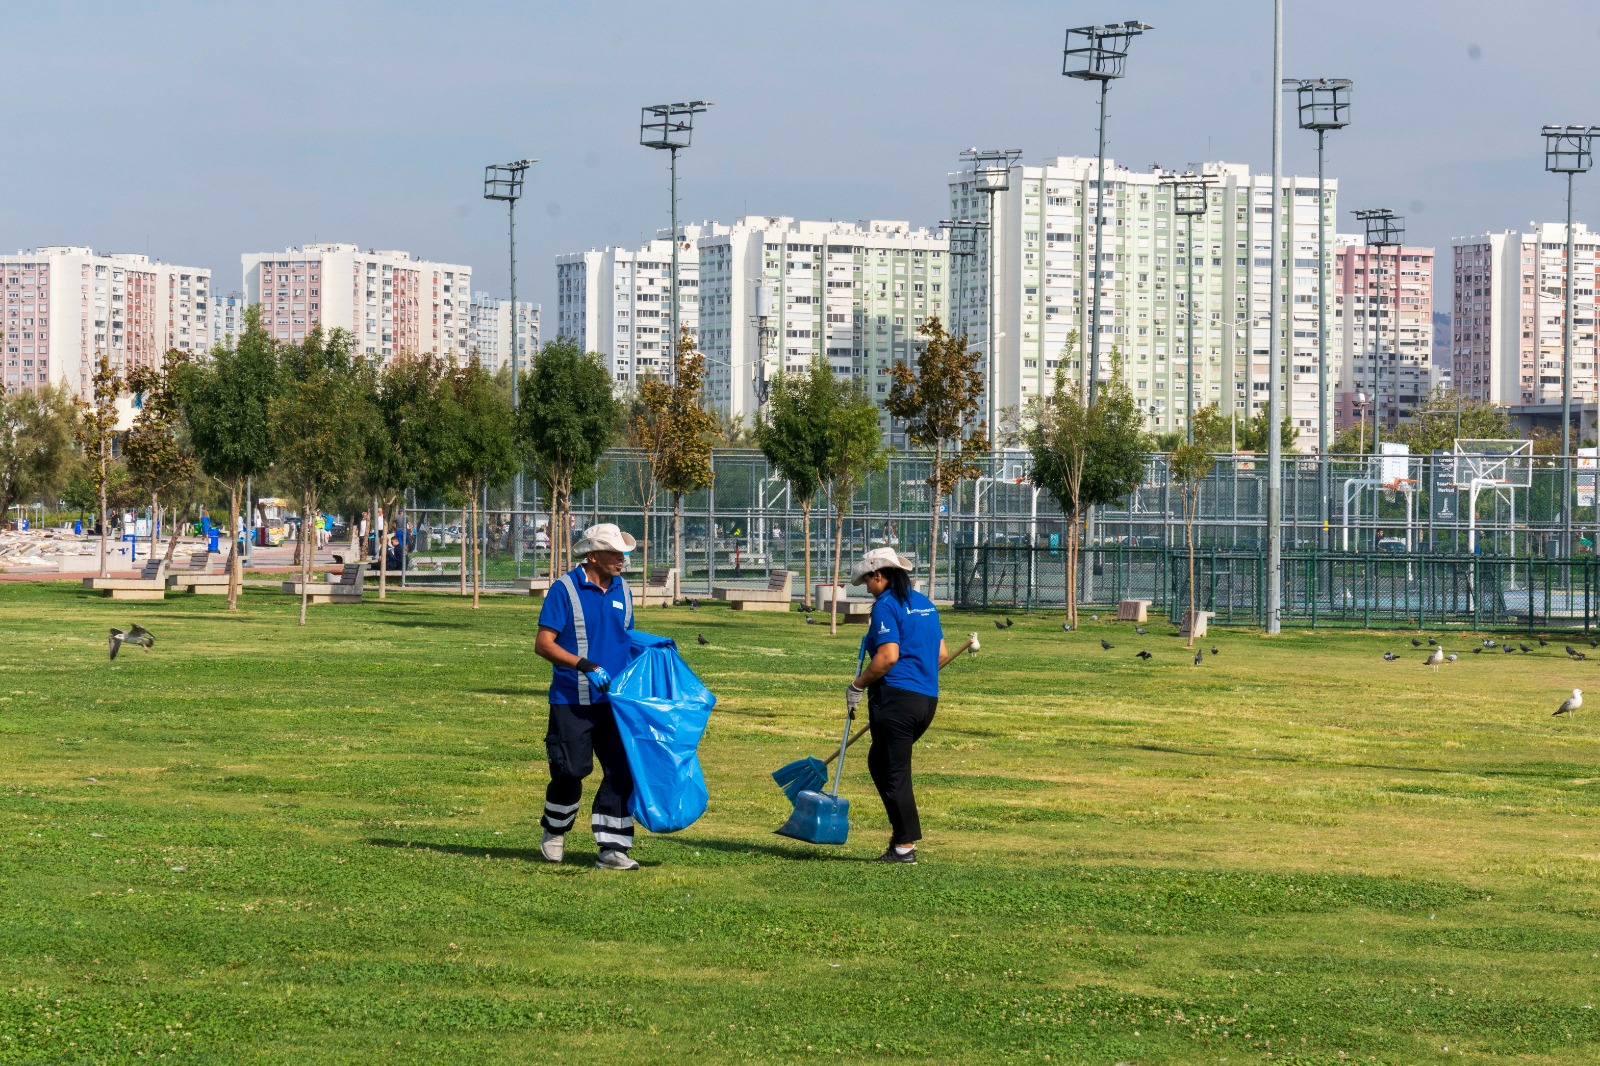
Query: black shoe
x,y
895,855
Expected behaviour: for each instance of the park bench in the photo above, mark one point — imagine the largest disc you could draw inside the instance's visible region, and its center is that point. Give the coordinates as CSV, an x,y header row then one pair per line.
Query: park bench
x,y
1133,611
660,588
851,609
428,566
533,586
198,577
151,584
775,597
346,587
1198,620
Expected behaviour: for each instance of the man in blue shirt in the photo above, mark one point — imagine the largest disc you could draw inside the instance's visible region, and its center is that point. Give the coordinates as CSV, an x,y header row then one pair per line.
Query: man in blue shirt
x,y
583,632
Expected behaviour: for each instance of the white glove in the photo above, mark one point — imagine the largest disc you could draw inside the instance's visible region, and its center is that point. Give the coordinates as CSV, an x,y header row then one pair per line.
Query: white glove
x,y
852,697
972,649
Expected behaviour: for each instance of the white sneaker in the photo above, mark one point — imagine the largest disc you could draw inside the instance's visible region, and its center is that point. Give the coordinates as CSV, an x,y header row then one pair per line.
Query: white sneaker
x,y
552,846
615,859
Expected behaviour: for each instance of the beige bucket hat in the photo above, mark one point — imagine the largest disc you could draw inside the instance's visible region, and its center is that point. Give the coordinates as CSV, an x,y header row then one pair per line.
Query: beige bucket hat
x,y
875,560
605,537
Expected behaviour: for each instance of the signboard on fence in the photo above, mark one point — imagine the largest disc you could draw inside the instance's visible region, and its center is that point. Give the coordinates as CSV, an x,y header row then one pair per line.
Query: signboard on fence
x,y
1586,462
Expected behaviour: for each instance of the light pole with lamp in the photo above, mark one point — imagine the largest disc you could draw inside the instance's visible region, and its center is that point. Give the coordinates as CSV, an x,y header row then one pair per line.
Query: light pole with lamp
x,y
503,181
670,127
1323,104
1567,150
1190,195
1384,229
963,245
991,175
1099,54
764,332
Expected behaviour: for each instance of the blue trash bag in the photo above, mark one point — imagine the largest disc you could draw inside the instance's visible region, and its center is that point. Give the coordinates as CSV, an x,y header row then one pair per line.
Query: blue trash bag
x,y
662,709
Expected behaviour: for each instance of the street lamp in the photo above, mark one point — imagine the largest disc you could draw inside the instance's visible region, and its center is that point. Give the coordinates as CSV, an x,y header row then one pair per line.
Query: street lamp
x,y
1323,104
1190,195
1385,229
1361,404
963,245
503,181
1567,150
670,127
1098,53
991,175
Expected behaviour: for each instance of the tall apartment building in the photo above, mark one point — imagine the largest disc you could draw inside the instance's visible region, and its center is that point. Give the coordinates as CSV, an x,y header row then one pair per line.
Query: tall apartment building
x,y
1369,314
63,305
1509,312
390,302
855,293
227,319
1043,229
617,301
491,324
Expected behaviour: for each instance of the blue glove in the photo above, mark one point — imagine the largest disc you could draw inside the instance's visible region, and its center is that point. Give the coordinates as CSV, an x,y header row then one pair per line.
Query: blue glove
x,y
599,680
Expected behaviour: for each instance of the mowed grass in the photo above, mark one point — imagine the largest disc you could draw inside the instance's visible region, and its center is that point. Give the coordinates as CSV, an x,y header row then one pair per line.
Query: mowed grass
x,y
261,843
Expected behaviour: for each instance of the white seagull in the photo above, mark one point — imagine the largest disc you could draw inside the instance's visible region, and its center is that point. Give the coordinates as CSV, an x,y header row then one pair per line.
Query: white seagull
x,y
1570,704
1435,657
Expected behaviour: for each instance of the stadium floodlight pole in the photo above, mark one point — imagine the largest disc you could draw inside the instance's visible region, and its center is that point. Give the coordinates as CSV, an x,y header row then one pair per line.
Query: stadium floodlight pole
x,y
963,245
1568,150
1275,318
1098,53
991,174
670,127
1323,104
1384,229
1190,195
503,181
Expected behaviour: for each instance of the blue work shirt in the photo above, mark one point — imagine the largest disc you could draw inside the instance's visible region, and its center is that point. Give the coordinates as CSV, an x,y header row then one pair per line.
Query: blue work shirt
x,y
599,631
914,625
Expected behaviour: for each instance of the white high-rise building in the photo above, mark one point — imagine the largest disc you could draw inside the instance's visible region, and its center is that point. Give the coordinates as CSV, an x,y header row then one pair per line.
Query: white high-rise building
x,y
390,303
855,293
227,319
491,323
64,304
617,302
1509,314
1044,227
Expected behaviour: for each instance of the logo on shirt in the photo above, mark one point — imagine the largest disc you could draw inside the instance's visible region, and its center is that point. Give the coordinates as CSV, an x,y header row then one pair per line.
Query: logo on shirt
x,y
617,605
882,628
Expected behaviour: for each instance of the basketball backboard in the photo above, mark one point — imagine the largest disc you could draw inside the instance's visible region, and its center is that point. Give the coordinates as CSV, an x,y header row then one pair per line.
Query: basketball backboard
x,y
1506,463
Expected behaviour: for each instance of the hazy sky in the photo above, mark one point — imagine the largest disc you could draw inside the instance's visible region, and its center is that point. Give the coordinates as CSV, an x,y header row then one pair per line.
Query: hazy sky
x,y
197,131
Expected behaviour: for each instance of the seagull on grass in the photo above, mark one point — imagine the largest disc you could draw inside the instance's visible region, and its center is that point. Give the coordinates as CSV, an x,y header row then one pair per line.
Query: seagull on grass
x,y
1570,704
137,635
1435,657
973,645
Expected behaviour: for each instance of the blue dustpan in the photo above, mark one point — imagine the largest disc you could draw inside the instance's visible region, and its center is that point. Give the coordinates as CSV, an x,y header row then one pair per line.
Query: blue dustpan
x,y
822,817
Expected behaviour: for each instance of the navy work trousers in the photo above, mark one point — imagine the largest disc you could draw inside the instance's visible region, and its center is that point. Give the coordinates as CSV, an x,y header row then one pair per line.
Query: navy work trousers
x,y
577,735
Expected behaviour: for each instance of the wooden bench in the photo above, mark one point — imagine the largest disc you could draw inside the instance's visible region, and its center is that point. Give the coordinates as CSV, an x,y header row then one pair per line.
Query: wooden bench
x,y
151,584
775,597
660,589
198,577
1133,611
851,609
347,587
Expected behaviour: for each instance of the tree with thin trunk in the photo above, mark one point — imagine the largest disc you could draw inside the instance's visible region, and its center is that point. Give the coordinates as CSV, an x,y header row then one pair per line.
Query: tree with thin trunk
x,y
318,419
939,401
481,449
156,448
97,434
37,433
1188,466
1084,456
854,450
225,403
567,420
399,409
793,436
683,462
647,434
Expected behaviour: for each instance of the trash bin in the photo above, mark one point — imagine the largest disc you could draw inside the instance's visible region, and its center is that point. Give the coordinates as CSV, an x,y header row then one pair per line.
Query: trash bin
x,y
77,527
211,537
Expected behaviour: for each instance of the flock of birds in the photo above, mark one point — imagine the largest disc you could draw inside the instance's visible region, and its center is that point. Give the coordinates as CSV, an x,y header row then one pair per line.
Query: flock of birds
x,y
1437,657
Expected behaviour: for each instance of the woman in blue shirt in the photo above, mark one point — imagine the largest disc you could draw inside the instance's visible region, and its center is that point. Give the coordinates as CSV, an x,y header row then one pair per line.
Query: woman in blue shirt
x,y
905,651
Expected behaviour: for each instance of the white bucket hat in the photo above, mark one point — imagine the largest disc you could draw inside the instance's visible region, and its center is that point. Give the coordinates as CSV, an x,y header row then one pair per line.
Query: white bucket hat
x,y
875,560
605,537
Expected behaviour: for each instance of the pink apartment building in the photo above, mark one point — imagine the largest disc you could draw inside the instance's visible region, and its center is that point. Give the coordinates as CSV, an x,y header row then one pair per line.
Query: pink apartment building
x,y
1370,311
63,305
388,301
1508,325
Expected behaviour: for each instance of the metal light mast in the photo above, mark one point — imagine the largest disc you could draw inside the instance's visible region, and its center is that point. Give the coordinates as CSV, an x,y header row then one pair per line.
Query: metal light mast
x,y
670,127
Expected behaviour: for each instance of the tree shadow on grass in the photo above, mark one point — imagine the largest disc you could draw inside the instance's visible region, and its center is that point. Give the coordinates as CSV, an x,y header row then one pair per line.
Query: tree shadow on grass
x,y
422,625
798,850
529,692
469,851
1476,771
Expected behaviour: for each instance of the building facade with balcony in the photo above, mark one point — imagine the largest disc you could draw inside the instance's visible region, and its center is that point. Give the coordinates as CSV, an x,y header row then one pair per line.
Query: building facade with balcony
x,y
63,305
1043,234
1384,340
617,301
390,302
491,321
855,294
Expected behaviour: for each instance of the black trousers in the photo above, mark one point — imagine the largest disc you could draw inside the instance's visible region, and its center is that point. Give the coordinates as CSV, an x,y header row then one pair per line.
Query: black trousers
x,y
899,717
576,737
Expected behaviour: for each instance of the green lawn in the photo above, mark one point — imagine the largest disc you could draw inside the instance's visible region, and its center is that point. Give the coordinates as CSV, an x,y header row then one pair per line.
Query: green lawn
x,y
259,843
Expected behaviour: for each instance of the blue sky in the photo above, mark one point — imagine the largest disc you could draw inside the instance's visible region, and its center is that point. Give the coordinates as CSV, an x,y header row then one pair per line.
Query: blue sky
x,y
197,131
